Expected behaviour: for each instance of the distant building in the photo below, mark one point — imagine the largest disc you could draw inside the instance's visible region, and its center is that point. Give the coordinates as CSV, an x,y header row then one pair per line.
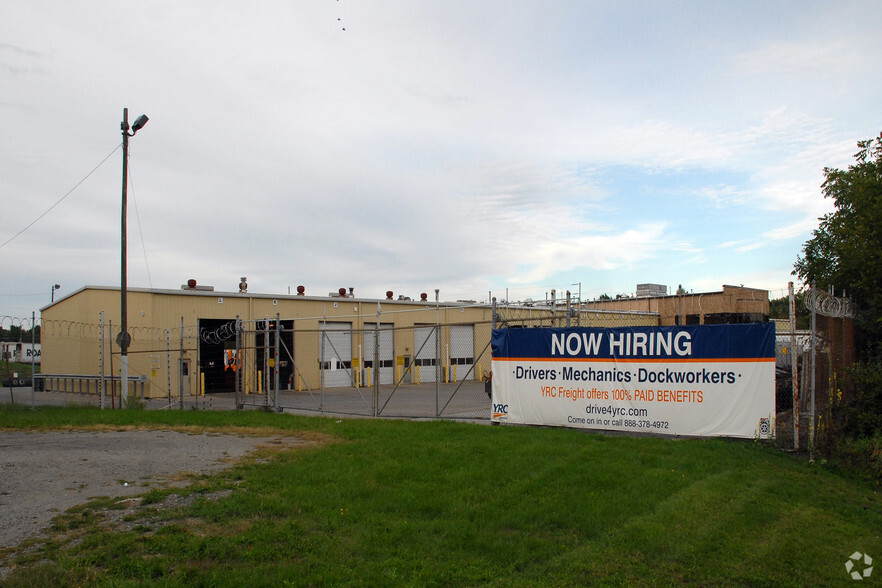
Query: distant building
x,y
20,352
644,290
732,305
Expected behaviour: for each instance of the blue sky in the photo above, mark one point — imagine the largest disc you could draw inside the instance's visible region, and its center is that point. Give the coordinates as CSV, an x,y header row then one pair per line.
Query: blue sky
x,y
481,148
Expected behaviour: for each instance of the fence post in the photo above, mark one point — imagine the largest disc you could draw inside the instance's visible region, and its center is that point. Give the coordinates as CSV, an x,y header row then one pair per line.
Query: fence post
x,y
237,387
101,357
168,364
181,367
437,350
793,367
276,360
33,358
376,365
266,361
812,381
569,309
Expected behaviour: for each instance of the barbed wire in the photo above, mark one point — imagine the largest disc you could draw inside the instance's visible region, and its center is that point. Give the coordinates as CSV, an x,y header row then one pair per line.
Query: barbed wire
x,y
220,334
828,305
89,330
14,321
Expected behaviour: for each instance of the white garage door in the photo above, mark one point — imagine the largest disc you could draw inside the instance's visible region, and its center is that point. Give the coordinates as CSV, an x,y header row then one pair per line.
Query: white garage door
x,y
335,356
462,352
386,351
424,341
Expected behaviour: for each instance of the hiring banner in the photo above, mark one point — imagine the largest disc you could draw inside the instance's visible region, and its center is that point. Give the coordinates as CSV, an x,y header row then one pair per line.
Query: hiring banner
x,y
703,380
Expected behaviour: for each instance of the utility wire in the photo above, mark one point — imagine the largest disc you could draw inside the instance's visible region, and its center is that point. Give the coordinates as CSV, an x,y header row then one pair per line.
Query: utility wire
x,y
138,216
15,236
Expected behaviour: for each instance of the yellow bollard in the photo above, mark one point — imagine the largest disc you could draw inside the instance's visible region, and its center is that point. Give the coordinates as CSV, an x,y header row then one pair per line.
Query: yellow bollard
x,y
202,384
259,382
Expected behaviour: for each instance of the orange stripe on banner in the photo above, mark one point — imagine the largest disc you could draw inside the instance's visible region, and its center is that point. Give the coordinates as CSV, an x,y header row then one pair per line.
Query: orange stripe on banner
x,y
642,359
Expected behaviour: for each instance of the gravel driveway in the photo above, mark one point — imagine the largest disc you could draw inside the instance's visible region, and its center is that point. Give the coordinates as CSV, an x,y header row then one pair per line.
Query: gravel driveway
x,y
43,474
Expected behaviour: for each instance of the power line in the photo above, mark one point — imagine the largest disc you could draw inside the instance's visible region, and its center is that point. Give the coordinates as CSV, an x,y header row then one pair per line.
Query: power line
x,y
140,230
15,236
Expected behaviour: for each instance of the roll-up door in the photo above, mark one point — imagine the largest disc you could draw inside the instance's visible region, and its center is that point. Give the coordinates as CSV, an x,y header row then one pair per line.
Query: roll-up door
x,y
386,352
424,340
335,358
462,352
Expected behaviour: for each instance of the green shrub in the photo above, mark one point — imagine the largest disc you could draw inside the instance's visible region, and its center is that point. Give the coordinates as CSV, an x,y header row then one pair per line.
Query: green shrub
x,y
860,416
864,454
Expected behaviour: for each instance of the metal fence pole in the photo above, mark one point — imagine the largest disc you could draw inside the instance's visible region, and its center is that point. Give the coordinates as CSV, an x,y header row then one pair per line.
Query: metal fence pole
x,y
181,367
437,351
812,367
376,370
102,383
33,359
168,364
793,367
266,362
238,364
276,361
569,310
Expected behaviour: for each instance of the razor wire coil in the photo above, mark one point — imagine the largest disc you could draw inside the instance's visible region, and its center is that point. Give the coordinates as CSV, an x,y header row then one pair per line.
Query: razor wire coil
x,y
220,334
826,304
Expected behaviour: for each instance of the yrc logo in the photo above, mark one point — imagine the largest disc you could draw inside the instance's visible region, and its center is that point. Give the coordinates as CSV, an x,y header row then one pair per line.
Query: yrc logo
x,y
854,561
500,411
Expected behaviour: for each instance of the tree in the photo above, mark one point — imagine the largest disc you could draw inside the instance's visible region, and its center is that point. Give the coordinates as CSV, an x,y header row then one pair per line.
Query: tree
x,y
845,251
779,308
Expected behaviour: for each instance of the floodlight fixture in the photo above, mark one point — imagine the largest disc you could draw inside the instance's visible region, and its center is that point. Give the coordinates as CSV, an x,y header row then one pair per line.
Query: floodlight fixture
x,y
139,123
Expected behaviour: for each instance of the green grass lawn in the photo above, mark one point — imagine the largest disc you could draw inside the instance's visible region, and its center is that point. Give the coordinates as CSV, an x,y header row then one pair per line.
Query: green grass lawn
x,y
450,504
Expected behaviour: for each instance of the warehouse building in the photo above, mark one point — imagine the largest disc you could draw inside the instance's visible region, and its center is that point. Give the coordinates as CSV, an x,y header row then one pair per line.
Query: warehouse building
x,y
195,340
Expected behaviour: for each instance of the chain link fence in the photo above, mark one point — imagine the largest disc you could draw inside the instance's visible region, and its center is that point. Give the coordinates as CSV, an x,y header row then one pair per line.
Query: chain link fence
x,y
384,365
813,368
383,370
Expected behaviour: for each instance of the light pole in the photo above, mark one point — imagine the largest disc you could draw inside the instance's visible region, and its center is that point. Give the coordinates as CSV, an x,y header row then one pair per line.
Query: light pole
x,y
124,339
54,288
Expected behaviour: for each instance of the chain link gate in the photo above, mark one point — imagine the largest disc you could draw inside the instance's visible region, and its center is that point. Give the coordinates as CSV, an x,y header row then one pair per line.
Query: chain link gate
x,y
358,372
374,368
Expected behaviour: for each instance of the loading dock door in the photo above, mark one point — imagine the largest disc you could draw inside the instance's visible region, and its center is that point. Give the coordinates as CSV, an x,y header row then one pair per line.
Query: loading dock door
x,y
424,340
386,352
462,352
335,358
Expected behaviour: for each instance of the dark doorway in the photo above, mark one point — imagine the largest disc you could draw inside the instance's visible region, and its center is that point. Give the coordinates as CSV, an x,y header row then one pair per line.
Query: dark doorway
x,y
215,337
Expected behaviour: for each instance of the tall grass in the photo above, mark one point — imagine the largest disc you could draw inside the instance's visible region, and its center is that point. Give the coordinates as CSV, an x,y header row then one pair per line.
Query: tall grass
x,y
8,368
441,504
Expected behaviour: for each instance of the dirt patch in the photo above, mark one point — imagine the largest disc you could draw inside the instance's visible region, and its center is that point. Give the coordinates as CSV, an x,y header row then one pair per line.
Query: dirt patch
x,y
42,474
